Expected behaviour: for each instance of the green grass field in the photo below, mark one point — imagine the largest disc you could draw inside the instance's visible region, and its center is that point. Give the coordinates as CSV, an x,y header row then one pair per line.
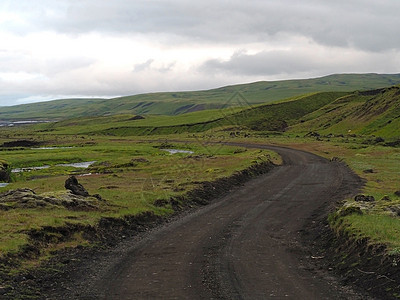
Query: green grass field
x,y
129,175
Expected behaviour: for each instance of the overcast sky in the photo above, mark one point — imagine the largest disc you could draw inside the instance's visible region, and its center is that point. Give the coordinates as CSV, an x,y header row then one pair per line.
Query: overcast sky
x,y
66,48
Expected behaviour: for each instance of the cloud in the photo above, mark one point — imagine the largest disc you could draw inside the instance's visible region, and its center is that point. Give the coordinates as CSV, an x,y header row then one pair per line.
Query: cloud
x,y
340,23
335,23
300,61
95,47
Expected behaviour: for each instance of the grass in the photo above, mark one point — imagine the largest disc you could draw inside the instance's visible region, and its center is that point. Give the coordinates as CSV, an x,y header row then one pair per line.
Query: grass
x,y
260,117
377,228
129,188
369,113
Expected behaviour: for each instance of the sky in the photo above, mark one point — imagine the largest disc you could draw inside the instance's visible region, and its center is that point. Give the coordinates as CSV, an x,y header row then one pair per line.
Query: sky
x,y
101,48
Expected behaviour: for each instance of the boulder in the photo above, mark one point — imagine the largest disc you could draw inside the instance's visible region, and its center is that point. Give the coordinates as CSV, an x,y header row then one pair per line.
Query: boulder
x,y
4,172
336,159
75,187
137,117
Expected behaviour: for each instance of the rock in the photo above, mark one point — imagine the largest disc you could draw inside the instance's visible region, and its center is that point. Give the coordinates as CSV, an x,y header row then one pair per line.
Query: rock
x,y
379,140
98,197
27,199
4,171
75,187
22,198
138,117
385,198
393,144
368,171
312,134
393,210
161,203
345,211
140,160
364,198
336,159
397,193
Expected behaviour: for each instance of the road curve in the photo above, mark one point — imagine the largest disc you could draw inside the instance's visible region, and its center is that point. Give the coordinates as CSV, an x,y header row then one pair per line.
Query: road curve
x,y
246,245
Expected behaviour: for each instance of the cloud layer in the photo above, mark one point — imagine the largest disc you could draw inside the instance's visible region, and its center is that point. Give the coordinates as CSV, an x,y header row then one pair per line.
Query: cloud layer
x,y
68,48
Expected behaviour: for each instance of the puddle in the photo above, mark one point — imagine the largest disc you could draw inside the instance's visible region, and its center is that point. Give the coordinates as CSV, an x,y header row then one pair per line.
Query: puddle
x,y
174,151
3,184
88,174
28,169
85,164
51,148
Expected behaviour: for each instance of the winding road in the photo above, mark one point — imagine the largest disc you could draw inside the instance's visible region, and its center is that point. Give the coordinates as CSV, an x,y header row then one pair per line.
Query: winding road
x,y
246,245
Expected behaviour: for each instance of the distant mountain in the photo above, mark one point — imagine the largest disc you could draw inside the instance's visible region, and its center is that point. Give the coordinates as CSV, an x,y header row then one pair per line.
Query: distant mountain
x,y
175,103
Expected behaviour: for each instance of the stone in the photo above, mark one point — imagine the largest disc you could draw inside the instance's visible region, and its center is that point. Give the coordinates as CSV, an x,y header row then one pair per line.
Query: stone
x,y
4,171
75,187
364,198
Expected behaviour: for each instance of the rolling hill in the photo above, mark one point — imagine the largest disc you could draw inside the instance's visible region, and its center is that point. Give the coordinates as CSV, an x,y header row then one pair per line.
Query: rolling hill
x,y
373,112
175,103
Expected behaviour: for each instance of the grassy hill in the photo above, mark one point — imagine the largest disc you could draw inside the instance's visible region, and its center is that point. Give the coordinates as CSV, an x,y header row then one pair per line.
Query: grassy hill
x,y
276,116
374,112
175,103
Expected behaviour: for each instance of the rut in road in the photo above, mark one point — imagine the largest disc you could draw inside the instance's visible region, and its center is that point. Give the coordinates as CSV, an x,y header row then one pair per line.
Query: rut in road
x,y
246,245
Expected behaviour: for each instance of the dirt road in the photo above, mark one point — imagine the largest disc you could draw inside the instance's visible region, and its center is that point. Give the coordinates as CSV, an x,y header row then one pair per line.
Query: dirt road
x,y
246,245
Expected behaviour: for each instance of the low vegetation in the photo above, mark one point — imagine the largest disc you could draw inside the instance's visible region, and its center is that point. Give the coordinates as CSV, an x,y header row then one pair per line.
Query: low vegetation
x,y
133,172
129,176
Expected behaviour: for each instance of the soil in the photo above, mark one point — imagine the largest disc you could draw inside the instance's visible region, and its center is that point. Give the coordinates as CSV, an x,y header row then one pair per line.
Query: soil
x,y
21,143
263,239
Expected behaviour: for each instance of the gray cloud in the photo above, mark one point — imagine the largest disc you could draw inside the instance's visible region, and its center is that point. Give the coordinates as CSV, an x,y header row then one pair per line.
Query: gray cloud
x,y
297,62
281,39
364,24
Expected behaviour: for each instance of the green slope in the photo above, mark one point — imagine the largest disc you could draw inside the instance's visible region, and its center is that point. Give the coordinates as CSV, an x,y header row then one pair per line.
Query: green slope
x,y
375,112
266,117
176,103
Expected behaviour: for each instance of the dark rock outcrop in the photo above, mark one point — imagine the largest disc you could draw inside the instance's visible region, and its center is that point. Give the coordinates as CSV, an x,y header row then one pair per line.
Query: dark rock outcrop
x,y
4,172
75,187
138,117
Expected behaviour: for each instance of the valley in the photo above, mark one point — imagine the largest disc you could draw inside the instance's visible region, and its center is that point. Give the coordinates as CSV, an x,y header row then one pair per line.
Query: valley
x,y
136,185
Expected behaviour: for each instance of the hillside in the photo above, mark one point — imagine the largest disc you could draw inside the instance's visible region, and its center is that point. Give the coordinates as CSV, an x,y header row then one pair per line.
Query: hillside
x,y
265,117
375,112
175,103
